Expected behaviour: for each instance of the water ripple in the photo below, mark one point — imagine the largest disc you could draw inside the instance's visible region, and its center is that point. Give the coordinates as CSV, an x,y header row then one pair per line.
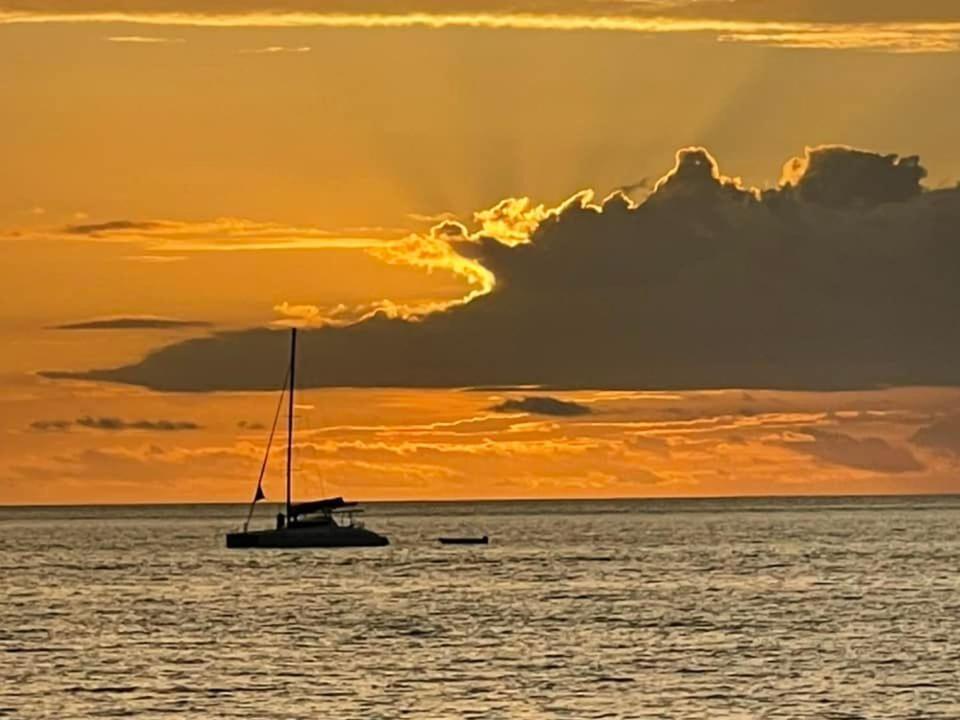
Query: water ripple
x,y
740,609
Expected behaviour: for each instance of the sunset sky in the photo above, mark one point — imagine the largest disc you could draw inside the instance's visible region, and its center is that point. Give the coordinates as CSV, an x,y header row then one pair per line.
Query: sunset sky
x,y
541,248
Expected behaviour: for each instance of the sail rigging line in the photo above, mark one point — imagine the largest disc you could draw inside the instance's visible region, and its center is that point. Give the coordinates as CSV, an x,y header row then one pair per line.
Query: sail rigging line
x,y
292,373
258,495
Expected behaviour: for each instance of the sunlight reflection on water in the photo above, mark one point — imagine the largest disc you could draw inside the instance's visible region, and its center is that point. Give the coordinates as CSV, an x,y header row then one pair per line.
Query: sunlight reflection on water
x,y
834,608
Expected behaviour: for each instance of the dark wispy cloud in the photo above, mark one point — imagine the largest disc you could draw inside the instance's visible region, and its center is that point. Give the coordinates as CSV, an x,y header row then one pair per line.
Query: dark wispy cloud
x,y
134,322
225,234
114,424
845,276
870,453
51,425
542,405
113,226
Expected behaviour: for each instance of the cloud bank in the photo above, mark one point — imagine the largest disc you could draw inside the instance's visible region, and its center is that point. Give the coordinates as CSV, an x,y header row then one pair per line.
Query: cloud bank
x,y
542,405
845,275
919,26
135,322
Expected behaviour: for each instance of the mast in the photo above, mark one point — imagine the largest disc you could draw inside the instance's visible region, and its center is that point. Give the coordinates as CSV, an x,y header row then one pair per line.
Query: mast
x,y
293,384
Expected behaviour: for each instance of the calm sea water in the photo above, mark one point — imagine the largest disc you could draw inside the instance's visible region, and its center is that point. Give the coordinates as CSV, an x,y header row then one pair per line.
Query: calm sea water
x,y
834,608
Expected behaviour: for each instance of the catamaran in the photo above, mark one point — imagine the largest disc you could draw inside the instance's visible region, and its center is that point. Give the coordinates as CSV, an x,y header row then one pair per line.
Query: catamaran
x,y
327,523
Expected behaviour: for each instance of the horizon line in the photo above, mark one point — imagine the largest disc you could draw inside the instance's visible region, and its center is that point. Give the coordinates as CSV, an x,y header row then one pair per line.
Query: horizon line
x,y
437,501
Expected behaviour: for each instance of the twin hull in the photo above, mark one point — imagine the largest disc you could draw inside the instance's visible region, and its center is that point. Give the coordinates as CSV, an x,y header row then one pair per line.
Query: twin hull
x,y
307,537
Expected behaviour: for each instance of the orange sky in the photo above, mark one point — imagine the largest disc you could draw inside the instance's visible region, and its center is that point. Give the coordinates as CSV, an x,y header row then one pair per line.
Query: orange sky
x,y
261,170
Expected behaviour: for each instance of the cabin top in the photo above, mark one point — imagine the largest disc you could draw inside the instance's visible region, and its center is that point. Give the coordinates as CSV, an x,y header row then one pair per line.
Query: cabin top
x,y
326,506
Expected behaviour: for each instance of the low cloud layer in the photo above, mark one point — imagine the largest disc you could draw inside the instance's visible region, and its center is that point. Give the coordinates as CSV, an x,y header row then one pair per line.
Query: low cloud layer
x,y
113,424
406,444
845,275
542,405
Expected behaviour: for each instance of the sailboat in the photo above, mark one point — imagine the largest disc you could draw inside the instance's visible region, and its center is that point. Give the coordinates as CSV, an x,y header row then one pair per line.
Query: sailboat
x,y
328,523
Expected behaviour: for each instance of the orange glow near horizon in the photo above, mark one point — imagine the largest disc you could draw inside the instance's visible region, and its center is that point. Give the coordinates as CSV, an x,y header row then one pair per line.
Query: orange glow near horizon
x,y
452,445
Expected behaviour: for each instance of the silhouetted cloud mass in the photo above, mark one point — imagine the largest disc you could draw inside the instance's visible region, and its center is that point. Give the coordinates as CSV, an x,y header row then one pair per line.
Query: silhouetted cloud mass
x,y
872,453
113,424
942,435
847,275
542,405
132,323
842,177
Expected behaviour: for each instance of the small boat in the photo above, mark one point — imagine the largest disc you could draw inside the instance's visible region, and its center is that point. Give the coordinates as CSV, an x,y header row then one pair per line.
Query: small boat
x,y
464,540
328,523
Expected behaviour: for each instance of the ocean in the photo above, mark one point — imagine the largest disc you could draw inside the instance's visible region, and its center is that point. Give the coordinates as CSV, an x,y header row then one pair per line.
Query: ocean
x,y
748,608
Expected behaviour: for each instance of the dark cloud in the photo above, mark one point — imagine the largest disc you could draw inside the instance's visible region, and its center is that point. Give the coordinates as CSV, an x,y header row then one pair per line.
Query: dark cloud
x,y
132,323
112,227
871,453
542,405
113,424
51,425
847,279
250,425
942,435
842,177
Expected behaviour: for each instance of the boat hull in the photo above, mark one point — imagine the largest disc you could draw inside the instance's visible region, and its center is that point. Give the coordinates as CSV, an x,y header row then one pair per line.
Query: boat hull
x,y
306,537
464,540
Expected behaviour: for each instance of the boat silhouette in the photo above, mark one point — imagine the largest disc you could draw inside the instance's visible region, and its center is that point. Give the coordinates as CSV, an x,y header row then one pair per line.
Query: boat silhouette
x,y
327,523
464,540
